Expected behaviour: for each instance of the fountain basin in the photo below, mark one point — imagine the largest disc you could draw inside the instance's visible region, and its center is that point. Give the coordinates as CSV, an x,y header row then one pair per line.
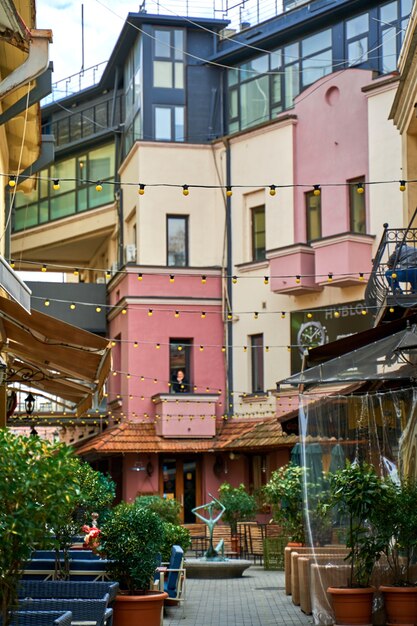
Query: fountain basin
x,y
201,568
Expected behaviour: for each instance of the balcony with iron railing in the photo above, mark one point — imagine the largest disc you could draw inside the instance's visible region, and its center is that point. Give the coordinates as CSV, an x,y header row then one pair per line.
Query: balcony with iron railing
x,y
389,296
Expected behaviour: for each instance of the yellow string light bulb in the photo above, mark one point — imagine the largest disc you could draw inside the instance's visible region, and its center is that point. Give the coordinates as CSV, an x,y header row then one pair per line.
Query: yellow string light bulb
x,y
234,280
47,303
230,316
204,279
108,274
336,314
283,315
402,185
203,315
142,378
56,185
12,264
330,277
266,348
245,348
150,312
12,181
43,268
223,348
229,191
360,188
309,315
171,278
266,280
364,311
272,190
316,190
179,348
298,278
76,272
113,343
361,276
201,348
72,306
99,186
158,345
185,190
140,276
135,345
256,315
98,309
124,311
141,190
391,310
176,314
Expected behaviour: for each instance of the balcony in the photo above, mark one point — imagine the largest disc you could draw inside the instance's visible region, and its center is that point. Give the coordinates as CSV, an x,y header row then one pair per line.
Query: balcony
x,y
185,415
379,296
347,257
292,269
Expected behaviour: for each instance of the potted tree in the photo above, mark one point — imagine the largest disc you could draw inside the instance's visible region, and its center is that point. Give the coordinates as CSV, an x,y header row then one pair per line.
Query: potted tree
x,y
37,486
359,494
284,491
131,540
239,505
397,526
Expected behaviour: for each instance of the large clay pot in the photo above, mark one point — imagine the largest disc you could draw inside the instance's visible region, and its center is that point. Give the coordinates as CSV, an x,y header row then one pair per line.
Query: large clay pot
x,y
400,605
143,610
352,605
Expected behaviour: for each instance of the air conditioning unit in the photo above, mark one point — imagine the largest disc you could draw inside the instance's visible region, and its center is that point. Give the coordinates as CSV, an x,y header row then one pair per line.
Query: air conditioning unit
x,y
130,253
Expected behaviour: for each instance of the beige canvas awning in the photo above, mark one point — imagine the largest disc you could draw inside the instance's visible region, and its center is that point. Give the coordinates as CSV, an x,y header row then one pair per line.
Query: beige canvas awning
x,y
53,356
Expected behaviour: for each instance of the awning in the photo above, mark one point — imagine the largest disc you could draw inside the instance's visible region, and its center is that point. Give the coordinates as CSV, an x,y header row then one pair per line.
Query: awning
x,y
52,356
393,357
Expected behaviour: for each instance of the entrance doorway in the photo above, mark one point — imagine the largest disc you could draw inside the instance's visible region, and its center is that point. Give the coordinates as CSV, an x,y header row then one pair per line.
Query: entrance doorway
x,y
181,480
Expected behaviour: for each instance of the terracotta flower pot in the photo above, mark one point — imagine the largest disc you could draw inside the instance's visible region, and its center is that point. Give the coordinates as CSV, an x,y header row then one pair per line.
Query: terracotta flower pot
x,y
400,605
143,610
352,605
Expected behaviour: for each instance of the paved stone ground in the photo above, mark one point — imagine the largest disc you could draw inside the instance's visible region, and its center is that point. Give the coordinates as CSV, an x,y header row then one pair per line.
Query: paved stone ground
x,y
256,599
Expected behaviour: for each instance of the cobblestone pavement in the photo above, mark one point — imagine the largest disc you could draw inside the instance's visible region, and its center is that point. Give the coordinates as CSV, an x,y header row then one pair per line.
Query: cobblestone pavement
x,y
256,599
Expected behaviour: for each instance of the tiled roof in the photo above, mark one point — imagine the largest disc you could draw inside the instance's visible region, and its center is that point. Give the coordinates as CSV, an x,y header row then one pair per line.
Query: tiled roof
x,y
141,437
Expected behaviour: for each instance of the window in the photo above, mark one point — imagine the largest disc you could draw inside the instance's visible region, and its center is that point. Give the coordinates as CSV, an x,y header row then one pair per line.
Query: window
x,y
168,64
177,240
316,53
258,233
257,362
180,365
393,17
313,216
357,31
357,208
169,123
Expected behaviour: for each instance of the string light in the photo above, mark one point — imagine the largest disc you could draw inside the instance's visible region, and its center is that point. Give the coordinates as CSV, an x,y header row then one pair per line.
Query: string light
x,y
47,303
12,264
203,315
204,279
76,272
12,181
330,277
185,190
298,278
272,190
201,348
360,275
360,188
141,189
176,314
72,306
283,315
99,186
98,309
124,311
158,345
108,274
256,315
234,280
309,315
266,280
140,276
230,316
43,268
229,191
316,190
402,185
135,345
56,186
336,314
150,312
171,278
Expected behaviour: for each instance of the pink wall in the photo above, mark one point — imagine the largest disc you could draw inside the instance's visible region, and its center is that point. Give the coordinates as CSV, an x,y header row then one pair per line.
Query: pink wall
x,y
207,366
332,126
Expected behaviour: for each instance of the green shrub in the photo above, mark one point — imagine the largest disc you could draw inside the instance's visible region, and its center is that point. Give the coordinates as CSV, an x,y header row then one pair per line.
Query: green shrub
x,y
175,535
168,509
239,504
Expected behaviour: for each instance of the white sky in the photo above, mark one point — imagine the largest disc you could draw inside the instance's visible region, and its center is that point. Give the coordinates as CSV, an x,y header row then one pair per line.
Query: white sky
x,y
102,27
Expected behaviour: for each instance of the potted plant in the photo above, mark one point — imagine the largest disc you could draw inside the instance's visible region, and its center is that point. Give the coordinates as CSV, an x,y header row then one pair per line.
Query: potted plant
x,y
358,493
284,491
240,506
131,540
37,486
397,525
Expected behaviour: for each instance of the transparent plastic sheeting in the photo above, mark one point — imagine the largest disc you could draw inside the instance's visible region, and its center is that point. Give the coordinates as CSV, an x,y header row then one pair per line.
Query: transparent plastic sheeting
x,y
394,357
379,428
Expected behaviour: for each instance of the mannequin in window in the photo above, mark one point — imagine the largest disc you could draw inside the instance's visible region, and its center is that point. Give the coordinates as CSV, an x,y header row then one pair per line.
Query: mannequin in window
x,y
179,383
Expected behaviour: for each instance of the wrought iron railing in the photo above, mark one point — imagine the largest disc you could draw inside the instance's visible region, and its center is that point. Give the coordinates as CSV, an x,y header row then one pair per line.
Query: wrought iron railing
x,y
378,287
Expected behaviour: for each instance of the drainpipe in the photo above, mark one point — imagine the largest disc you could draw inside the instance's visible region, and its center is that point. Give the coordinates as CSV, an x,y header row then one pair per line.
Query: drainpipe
x,y
36,63
229,285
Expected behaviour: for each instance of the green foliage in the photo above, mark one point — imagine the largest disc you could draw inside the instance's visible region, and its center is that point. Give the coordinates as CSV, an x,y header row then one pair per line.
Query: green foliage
x,y
37,487
284,491
132,538
240,505
168,509
397,525
174,535
97,492
358,493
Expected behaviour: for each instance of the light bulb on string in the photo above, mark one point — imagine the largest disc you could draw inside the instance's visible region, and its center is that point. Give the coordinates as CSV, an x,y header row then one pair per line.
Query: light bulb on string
x,y
316,190
141,189
204,279
140,277
47,302
98,309
272,190
108,274
135,344
266,280
234,280
99,186
12,264
171,278
150,312
229,191
309,315
402,185
203,315
43,268
360,188
329,277
56,186
255,315
176,314
76,272
12,181
298,278
185,190
72,306
283,315
361,276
